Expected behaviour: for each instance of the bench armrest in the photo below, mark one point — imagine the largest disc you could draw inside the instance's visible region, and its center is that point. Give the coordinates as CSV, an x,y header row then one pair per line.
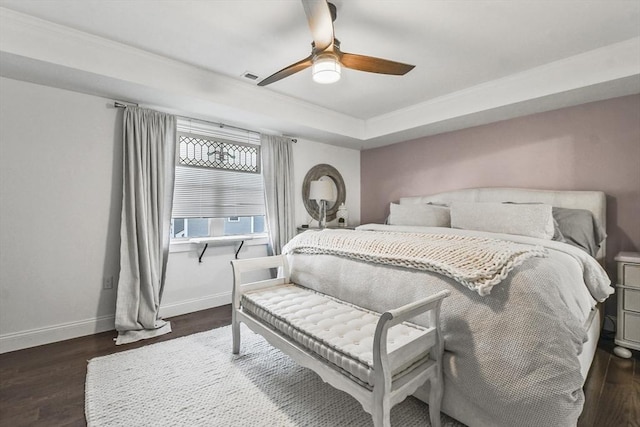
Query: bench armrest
x,y
241,266
412,309
383,361
252,264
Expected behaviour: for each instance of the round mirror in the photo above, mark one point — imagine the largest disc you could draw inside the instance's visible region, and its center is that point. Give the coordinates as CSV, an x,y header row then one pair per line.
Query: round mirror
x,y
323,172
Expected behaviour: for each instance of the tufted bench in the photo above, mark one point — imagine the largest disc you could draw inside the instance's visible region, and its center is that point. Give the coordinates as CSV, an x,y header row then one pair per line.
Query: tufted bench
x,y
379,359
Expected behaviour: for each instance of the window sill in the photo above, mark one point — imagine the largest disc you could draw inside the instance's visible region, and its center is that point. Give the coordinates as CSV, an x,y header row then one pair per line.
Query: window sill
x,y
187,245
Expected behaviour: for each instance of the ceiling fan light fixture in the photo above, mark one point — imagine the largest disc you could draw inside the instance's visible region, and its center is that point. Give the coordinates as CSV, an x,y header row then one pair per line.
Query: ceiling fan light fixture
x,y
326,69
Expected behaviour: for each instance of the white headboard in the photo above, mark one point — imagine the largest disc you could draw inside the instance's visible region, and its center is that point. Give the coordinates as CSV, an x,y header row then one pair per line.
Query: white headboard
x,y
594,201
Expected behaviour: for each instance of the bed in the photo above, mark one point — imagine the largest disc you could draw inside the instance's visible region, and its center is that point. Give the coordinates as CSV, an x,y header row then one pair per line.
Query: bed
x,y
517,352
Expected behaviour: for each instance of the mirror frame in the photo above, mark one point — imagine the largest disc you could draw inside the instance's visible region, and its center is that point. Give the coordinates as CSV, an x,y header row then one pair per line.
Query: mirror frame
x,y
314,174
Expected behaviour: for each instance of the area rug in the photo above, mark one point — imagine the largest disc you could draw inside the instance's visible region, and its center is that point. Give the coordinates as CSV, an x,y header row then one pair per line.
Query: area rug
x,y
197,381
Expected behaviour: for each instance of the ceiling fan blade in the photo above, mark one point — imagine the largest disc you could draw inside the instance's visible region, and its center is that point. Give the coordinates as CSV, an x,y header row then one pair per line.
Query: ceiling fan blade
x,y
287,71
374,65
320,22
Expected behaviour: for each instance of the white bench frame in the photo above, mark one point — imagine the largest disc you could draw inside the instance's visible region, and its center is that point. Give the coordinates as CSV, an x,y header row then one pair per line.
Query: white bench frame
x,y
386,391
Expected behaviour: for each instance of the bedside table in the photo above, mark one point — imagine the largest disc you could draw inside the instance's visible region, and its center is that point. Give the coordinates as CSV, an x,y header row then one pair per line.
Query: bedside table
x,y
302,229
628,289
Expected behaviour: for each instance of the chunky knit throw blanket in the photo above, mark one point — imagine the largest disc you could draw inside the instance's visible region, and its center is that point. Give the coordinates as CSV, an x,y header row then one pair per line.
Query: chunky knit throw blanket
x,y
475,262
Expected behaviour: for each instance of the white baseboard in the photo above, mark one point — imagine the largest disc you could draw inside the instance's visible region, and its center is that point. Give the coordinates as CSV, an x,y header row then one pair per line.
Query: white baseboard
x,y
64,331
49,334
196,304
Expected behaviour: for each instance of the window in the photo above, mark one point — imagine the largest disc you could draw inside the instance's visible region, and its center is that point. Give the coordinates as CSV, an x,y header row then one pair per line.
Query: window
x,y
219,189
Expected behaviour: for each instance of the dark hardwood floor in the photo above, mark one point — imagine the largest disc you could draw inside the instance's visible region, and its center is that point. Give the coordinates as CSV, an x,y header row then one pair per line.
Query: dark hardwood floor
x,y
612,390
45,385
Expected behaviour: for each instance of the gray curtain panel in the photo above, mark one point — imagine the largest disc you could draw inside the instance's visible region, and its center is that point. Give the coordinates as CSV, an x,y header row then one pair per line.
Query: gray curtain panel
x,y
149,148
277,170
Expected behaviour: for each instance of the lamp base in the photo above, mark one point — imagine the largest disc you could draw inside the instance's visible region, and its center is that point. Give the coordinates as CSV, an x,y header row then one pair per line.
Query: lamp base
x,y
322,222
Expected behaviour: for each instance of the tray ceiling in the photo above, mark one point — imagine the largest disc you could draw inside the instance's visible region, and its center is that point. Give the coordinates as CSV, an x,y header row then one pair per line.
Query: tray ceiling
x,y
476,61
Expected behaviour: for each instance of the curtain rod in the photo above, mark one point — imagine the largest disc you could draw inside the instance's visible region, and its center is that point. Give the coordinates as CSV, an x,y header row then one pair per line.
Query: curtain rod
x,y
294,140
222,125
118,104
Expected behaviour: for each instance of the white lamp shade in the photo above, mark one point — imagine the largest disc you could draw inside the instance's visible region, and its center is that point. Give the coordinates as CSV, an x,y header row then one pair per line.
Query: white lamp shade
x,y
321,190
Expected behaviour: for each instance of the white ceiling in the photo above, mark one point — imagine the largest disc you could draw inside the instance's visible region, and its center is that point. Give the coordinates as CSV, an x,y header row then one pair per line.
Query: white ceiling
x,y
476,61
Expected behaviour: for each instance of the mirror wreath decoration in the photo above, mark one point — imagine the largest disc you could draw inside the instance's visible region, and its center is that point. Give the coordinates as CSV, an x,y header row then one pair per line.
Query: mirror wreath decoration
x,y
314,174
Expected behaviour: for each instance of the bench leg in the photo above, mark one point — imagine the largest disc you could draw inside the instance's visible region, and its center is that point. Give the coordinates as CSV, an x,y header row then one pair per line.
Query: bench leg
x,y
235,332
382,414
435,399
382,421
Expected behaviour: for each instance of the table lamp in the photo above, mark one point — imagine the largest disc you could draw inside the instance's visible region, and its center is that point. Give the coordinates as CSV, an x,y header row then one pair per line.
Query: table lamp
x,y
321,192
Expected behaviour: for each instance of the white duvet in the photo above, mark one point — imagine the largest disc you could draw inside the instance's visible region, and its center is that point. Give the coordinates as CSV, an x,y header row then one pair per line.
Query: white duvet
x,y
512,354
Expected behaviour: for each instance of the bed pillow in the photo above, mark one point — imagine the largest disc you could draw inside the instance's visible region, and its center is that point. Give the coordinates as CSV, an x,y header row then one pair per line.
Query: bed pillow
x,y
579,227
557,234
533,220
419,214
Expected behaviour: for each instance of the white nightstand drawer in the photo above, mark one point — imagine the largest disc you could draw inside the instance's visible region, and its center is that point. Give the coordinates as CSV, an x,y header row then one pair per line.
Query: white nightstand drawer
x,y
631,275
632,300
632,327
628,290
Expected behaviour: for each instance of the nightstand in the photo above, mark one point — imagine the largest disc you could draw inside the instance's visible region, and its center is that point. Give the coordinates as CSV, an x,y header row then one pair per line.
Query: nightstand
x,y
302,229
628,290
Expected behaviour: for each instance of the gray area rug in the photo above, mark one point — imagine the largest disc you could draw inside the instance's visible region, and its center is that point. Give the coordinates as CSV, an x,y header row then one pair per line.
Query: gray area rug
x,y
197,381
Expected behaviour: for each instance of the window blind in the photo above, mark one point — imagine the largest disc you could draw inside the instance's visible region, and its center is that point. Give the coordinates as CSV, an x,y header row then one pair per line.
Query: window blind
x,y
203,192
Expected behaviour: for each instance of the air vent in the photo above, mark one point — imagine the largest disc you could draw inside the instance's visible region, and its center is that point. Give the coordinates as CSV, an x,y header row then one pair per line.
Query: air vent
x,y
250,76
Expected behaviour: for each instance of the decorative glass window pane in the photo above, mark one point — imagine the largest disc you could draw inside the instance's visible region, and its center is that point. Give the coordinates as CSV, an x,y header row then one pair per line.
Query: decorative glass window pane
x,y
217,153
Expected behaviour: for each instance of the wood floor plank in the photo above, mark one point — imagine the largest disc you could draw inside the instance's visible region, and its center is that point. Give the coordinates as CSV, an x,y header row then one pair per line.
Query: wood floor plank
x,y
593,388
618,401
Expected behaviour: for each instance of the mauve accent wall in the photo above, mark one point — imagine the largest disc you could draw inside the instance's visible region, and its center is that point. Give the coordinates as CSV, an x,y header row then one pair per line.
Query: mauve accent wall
x,y
593,146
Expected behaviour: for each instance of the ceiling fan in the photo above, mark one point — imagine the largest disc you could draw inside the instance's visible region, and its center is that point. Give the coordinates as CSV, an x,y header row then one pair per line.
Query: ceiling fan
x,y
326,57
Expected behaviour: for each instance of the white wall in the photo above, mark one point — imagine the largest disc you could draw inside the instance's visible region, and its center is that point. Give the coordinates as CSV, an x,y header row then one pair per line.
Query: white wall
x,y
60,201
60,195
193,286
